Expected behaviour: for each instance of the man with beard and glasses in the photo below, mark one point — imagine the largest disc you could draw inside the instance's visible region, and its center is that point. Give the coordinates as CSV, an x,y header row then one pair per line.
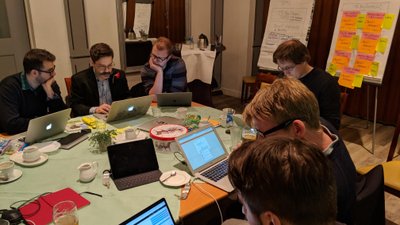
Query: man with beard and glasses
x,y
29,94
164,72
94,89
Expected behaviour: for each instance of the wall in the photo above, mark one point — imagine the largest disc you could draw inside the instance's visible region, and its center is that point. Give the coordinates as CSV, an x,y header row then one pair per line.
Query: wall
x,y
200,18
238,39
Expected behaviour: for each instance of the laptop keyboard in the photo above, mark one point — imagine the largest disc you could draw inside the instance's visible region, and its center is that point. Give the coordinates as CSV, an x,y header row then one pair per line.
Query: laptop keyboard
x,y
137,180
217,172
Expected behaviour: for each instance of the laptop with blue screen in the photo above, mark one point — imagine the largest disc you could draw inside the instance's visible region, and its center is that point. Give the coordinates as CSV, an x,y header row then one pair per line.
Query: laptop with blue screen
x,y
206,156
156,214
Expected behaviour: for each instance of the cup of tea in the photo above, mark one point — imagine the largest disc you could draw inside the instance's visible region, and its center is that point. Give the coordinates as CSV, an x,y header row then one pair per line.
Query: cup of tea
x,y
6,170
65,213
31,154
131,133
249,134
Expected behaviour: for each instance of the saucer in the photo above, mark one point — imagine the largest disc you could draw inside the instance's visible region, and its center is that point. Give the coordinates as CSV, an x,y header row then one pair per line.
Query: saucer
x,y
180,178
17,158
16,174
47,147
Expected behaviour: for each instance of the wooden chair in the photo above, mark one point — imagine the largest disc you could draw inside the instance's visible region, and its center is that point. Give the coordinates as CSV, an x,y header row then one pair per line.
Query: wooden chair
x,y
248,84
68,85
395,138
201,92
343,101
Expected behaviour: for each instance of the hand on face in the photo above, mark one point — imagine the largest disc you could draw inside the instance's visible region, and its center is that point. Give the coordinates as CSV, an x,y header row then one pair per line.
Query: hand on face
x,y
153,65
103,109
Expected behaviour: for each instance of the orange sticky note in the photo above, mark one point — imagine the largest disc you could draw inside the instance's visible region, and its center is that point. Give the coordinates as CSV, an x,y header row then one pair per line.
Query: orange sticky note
x,y
358,79
341,59
360,20
381,46
343,43
346,78
363,63
368,43
388,21
349,21
373,23
374,69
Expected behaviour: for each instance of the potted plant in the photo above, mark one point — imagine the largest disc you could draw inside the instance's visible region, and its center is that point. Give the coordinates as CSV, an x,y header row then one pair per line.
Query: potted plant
x,y
102,139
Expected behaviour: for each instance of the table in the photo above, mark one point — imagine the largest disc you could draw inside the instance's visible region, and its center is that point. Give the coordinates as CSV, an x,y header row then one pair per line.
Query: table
x,y
61,171
199,63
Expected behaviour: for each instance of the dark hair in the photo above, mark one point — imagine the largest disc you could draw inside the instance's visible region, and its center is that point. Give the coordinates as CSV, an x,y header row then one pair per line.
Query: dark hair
x,y
288,177
34,59
100,50
292,50
163,43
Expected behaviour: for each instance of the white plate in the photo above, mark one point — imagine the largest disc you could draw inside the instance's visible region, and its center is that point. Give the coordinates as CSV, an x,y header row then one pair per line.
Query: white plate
x,y
180,178
17,158
16,174
47,147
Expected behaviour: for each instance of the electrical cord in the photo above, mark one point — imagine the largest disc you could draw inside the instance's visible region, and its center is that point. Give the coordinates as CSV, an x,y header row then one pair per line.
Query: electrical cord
x,y
209,195
181,160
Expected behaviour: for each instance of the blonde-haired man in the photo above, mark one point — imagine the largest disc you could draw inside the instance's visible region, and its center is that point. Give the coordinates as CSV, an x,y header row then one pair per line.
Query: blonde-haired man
x,y
288,108
164,72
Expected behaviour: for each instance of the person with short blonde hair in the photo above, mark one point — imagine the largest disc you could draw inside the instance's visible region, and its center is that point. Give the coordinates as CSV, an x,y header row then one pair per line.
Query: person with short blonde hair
x,y
288,108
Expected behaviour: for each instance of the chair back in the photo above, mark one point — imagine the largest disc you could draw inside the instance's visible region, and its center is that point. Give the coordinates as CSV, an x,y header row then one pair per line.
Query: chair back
x,y
369,208
201,92
68,85
395,138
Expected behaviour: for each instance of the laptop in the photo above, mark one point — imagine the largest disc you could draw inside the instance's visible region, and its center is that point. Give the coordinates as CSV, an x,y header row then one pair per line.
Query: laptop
x,y
146,126
157,213
46,126
133,163
127,108
206,156
174,99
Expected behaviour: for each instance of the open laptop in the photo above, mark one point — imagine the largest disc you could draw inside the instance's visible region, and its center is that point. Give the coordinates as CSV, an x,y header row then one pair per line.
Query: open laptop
x,y
206,156
133,163
156,214
127,108
174,99
146,126
47,126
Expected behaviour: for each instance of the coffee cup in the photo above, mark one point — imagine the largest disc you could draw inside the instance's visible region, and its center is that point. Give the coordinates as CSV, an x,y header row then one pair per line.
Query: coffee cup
x,y
181,112
6,170
31,154
131,133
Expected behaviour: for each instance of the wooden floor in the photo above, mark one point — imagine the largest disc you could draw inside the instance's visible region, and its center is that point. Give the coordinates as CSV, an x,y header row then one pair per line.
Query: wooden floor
x,y
358,139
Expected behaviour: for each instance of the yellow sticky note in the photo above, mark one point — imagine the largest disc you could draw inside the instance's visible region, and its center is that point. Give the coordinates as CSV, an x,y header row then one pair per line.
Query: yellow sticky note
x,y
332,69
388,21
354,41
381,46
360,20
358,79
374,69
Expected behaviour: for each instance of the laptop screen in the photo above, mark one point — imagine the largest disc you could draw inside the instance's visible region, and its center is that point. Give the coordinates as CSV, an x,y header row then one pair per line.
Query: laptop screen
x,y
201,147
132,158
156,214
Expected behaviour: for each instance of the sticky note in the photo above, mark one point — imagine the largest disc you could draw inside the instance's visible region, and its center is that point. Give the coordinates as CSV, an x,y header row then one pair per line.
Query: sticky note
x,y
381,46
332,69
388,21
360,21
358,79
354,41
374,69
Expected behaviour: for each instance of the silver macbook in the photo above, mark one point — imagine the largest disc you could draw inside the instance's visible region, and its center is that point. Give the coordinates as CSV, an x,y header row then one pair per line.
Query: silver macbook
x,y
127,108
146,126
206,156
47,126
174,99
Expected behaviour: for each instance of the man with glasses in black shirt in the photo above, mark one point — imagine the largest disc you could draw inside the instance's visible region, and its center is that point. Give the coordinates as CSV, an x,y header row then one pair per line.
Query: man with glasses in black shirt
x,y
29,94
164,72
94,89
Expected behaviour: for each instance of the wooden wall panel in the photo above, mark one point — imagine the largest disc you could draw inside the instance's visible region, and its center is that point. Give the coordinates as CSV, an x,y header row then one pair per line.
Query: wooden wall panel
x,y
177,20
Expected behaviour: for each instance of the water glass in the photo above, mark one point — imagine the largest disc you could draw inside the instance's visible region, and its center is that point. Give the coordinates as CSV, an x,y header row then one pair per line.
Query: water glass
x,y
236,136
65,213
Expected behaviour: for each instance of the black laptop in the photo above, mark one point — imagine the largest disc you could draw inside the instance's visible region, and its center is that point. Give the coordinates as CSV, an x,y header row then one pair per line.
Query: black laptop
x,y
174,99
133,163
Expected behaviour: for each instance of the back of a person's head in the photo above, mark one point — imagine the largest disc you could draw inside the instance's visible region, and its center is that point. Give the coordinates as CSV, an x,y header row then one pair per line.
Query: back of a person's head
x,y
283,100
287,177
35,57
291,50
163,43
100,50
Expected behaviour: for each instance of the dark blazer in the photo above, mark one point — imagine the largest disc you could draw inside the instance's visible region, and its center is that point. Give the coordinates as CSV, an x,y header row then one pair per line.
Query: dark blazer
x,y
85,94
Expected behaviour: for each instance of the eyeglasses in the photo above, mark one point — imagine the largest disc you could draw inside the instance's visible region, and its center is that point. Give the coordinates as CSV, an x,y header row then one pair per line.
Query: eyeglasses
x,y
287,68
162,59
274,129
103,67
50,71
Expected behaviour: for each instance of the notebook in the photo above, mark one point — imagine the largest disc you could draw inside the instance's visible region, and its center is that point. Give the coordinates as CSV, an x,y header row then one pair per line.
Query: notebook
x,y
206,156
47,126
127,108
146,126
157,213
174,99
133,163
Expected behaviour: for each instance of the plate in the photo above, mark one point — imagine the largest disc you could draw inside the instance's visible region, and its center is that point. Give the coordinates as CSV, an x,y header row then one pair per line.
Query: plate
x,y
16,174
17,158
47,147
180,178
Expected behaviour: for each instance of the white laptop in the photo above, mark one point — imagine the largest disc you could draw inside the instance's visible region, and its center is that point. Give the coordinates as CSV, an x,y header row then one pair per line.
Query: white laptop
x,y
47,126
174,99
206,156
127,108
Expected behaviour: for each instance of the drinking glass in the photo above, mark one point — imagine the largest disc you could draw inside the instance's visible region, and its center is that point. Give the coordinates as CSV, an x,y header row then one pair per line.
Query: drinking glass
x,y
65,213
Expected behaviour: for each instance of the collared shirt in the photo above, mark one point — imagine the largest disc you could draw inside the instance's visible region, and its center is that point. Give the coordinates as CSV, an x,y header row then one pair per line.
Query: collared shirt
x,y
24,82
334,138
104,92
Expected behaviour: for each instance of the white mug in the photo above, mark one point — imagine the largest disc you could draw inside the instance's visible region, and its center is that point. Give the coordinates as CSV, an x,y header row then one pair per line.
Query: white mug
x,y
131,133
6,169
31,154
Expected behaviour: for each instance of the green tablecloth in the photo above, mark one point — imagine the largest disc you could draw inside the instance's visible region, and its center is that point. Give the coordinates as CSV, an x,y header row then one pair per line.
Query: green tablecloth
x,y
60,171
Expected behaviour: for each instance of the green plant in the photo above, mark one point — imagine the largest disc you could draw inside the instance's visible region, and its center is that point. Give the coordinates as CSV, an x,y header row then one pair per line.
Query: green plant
x,y
101,139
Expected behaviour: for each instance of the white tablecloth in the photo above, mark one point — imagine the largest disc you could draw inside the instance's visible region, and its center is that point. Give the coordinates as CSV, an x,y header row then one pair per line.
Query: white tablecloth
x,y
199,63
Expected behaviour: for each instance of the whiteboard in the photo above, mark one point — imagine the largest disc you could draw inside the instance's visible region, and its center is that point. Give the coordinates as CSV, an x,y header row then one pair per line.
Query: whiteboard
x,y
287,19
364,49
